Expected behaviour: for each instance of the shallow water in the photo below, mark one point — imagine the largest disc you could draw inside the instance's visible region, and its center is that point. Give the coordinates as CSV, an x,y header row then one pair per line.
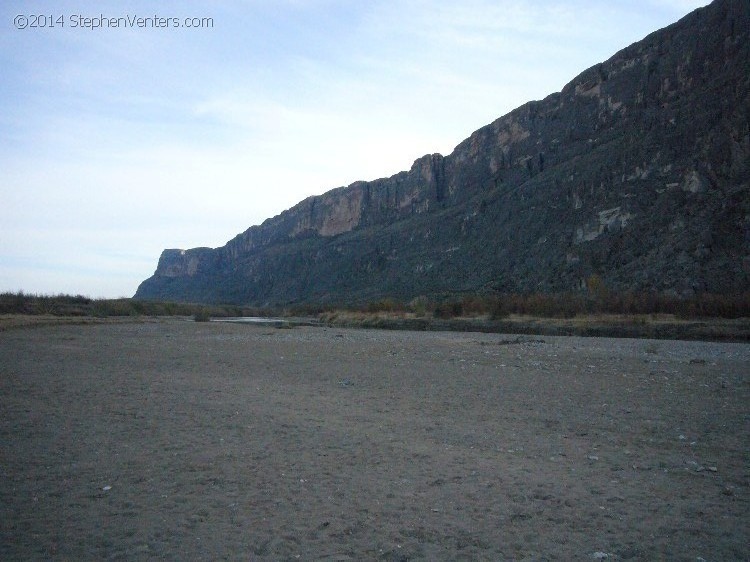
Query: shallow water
x,y
251,320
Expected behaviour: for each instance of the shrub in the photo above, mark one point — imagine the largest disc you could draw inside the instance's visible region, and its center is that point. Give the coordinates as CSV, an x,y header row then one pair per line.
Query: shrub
x,y
202,315
449,309
499,309
418,305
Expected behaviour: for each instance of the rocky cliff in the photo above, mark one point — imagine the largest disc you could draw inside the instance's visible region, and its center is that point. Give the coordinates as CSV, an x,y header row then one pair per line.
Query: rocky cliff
x,y
638,171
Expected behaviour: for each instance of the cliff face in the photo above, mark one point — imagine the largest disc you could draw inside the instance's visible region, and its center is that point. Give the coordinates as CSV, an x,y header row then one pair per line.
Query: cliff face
x,y
638,171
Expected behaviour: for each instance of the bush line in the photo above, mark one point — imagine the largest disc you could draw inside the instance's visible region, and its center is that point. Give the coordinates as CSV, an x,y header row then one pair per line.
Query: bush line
x,y
493,307
78,305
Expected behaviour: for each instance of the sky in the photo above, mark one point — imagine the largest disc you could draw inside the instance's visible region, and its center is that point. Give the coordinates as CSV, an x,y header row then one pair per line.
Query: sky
x,y
120,137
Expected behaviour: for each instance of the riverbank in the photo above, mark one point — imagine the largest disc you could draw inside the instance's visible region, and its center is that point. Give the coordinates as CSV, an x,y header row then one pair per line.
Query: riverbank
x,y
208,440
619,326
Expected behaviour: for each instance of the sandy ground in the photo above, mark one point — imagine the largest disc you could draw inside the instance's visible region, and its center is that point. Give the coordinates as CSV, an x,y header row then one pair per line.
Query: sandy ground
x,y
187,441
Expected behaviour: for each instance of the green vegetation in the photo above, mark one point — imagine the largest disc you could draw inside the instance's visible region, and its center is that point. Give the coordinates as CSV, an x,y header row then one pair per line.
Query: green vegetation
x,y
81,306
595,301
202,315
596,312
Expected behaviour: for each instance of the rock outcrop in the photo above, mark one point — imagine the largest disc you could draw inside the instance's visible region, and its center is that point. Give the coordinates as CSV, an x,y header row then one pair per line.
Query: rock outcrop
x,y
638,171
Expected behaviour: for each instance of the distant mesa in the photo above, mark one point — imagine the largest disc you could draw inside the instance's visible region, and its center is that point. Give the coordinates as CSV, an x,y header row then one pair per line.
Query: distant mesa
x,y
638,172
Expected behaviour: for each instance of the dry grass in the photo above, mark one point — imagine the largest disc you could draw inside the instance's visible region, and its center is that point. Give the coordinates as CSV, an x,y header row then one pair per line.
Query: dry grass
x,y
21,321
657,326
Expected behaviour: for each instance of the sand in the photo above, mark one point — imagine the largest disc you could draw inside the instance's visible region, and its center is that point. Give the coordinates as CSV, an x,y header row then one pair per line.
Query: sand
x,y
205,441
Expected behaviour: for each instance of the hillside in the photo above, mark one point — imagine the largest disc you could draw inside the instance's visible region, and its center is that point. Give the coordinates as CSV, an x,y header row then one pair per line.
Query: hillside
x,y
637,172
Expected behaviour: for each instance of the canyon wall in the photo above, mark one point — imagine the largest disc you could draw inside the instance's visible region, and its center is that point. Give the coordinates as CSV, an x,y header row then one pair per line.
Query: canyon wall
x,y
638,171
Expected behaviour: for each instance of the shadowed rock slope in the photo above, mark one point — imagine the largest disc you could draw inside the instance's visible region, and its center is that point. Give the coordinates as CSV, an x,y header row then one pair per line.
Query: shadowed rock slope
x,y
638,171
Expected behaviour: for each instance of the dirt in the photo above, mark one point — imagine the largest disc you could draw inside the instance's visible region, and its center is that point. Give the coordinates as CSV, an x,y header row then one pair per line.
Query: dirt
x,y
207,441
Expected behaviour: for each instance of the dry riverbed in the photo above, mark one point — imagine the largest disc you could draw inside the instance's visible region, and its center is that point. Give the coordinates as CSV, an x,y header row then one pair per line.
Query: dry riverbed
x,y
181,440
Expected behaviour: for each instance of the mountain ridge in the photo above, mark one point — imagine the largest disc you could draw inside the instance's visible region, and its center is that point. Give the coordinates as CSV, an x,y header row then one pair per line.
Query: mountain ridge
x,y
636,171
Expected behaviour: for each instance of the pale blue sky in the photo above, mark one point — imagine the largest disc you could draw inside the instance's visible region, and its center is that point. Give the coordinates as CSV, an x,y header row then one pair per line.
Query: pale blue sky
x,y
117,143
